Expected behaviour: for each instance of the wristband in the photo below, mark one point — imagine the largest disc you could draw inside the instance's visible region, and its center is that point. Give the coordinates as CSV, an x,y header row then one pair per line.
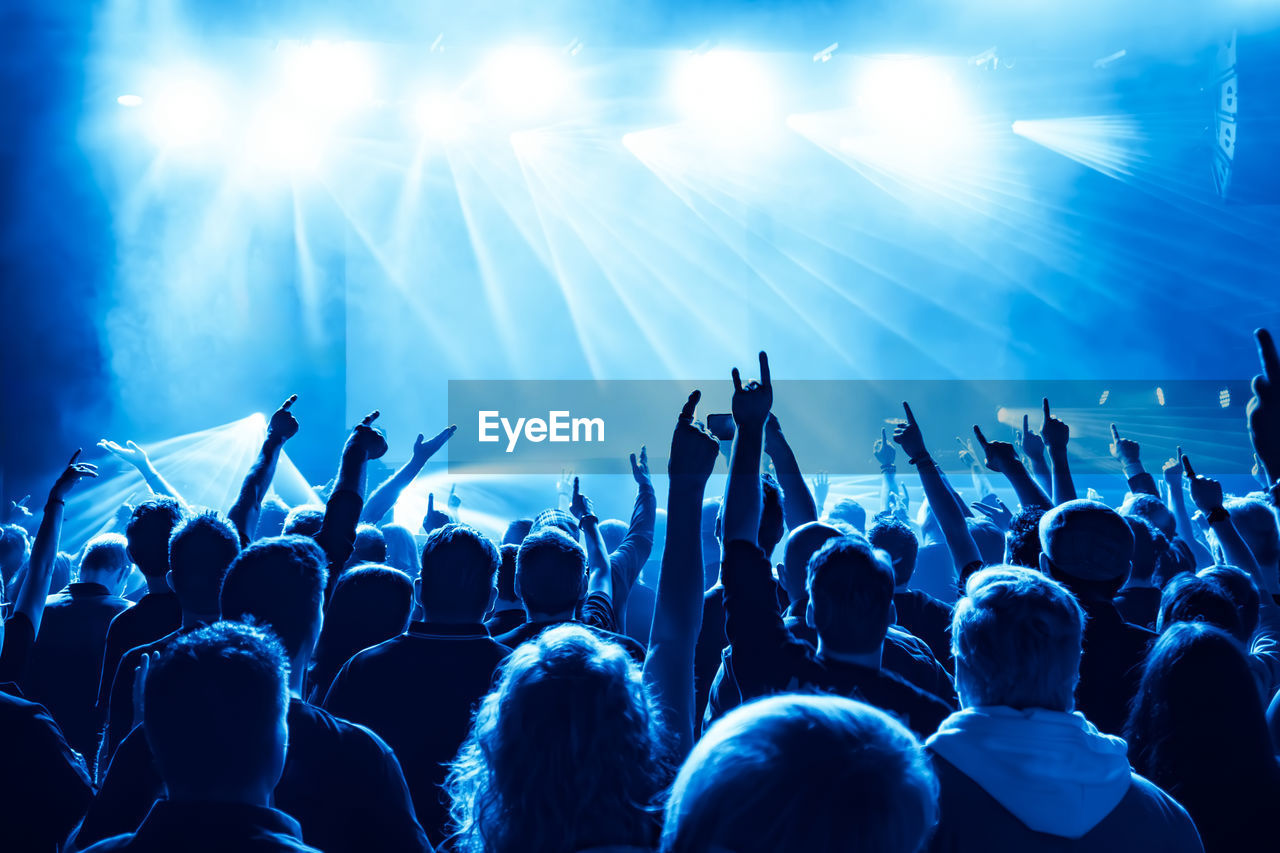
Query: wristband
x,y
591,516
1217,514
923,458
888,468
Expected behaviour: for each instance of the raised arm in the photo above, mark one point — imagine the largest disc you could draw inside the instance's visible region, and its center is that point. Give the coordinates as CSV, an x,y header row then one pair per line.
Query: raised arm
x,y
981,482
955,531
633,551
1033,448
1177,502
337,534
743,497
1206,492
677,614
30,599
599,572
385,496
1056,435
884,454
138,458
1002,458
797,502
244,512
1129,453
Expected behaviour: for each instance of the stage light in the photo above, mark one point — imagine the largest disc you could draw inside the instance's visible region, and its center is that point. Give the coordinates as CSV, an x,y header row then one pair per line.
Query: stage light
x,y
1102,400
909,96
724,87
285,143
129,100
1111,144
325,79
186,113
1224,398
525,81
441,117
1160,396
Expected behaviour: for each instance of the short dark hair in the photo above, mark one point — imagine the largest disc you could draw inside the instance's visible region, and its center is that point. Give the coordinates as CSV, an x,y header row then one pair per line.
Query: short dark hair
x,y
370,545
213,705
200,551
458,568
851,593
850,512
896,538
1022,541
271,518
507,571
771,521
1237,584
148,532
278,582
516,531
1191,598
304,520
550,572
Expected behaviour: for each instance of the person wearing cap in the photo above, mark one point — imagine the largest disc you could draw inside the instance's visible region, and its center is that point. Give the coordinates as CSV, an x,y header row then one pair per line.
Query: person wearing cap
x,y
1088,548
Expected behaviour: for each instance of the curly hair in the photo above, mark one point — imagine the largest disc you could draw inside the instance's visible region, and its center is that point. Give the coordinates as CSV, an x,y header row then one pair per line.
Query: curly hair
x,y
567,751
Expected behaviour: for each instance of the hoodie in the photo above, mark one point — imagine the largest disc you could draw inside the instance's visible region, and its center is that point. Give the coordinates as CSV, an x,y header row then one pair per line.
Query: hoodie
x,y
1052,770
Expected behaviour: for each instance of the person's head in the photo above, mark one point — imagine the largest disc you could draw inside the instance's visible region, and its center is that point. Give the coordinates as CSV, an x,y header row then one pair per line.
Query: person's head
x,y
1196,721
304,520
555,519
200,551
771,521
106,561
649,574
896,538
850,512
551,573
1152,510
1086,546
148,533
214,708
988,538
369,604
279,583
516,531
850,596
803,543
613,530
1022,541
458,568
271,518
1016,637
564,753
402,548
14,548
1149,547
1243,592
507,573
710,524
845,775
1256,521
370,546
1191,598
930,530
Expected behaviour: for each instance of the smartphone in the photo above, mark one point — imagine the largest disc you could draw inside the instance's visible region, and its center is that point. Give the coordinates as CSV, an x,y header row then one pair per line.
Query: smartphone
x,y
721,426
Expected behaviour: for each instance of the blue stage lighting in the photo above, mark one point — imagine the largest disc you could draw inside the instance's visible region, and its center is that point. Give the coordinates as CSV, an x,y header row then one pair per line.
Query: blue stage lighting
x,y
186,113
724,87
524,81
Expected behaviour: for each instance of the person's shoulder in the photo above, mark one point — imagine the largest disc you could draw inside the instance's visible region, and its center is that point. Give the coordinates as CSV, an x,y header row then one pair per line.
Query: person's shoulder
x,y
315,723
1146,803
107,845
898,686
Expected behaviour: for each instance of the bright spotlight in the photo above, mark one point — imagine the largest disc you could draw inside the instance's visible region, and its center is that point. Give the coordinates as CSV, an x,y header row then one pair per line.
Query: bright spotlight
x,y
526,80
724,86
285,142
441,117
909,95
325,79
186,113
129,100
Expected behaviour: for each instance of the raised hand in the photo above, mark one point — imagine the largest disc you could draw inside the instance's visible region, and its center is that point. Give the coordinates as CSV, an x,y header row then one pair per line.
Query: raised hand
x,y
1172,471
1032,443
424,449
454,501
693,447
564,486
752,401
1000,455
967,456
996,511
908,437
368,439
640,467
71,475
129,453
1206,492
821,488
882,450
1263,409
580,504
1127,451
18,510
434,517
1053,432
283,425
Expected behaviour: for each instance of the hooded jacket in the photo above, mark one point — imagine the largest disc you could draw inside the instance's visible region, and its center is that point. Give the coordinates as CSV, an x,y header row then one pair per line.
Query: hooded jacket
x,y
1036,779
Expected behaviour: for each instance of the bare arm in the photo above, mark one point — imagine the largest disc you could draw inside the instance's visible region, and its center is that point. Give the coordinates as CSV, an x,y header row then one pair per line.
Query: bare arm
x,y
955,531
1207,494
244,512
1002,458
385,496
677,615
1056,434
743,498
599,572
798,506
138,458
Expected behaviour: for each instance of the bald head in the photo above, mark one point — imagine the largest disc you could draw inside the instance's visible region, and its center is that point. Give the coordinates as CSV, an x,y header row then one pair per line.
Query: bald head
x,y
1086,541
803,542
